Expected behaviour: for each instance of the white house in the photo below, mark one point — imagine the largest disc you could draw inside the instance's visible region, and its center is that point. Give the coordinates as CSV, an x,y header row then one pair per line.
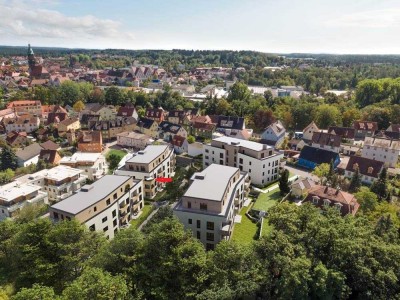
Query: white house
x,y
28,155
133,139
309,131
93,165
274,134
382,149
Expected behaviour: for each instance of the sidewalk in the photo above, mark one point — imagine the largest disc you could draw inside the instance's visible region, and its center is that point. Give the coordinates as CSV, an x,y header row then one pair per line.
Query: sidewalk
x,y
275,186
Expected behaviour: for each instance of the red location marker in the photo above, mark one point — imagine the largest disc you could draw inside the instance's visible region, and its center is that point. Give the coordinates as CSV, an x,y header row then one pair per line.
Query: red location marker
x,y
163,179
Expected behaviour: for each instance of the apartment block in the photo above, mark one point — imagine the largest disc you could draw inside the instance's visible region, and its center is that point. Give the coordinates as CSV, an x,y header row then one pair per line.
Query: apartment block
x,y
26,106
382,149
59,182
209,206
105,205
93,165
149,164
259,160
15,195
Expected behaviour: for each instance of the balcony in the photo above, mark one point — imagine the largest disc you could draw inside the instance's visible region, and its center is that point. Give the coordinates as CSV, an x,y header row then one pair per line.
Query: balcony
x,y
226,230
122,204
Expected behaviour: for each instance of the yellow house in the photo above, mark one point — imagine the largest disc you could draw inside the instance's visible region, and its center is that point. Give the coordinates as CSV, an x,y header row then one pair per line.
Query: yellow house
x,y
68,124
148,127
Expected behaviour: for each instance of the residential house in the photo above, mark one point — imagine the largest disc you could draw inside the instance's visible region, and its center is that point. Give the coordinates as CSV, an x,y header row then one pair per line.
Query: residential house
x,y
326,141
180,144
394,128
213,199
323,196
296,144
382,149
364,129
24,123
28,155
51,157
167,131
105,205
14,196
128,110
148,127
259,160
156,114
90,141
17,139
134,140
346,133
111,128
309,131
67,125
56,115
301,186
232,126
368,169
149,164
7,113
93,165
274,134
310,157
50,145
104,112
33,107
59,182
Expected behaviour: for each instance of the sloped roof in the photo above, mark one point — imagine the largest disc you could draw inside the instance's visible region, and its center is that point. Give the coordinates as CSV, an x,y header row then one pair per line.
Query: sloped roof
x,y
326,139
365,125
366,166
29,152
344,132
317,155
50,145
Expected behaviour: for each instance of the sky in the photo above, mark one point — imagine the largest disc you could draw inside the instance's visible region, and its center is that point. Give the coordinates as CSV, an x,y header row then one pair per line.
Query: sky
x,y
272,26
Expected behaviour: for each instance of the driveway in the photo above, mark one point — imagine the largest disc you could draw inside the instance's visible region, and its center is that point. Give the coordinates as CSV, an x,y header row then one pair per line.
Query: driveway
x,y
302,173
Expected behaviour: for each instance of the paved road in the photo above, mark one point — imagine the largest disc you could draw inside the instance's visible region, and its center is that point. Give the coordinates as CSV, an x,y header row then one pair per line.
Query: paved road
x,y
301,173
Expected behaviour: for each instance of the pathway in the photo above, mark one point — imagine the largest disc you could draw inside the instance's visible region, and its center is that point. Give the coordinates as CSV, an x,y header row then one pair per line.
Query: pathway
x,y
275,186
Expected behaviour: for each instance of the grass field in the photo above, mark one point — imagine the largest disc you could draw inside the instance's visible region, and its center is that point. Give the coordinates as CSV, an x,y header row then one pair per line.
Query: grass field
x,y
146,211
267,200
266,229
119,153
245,231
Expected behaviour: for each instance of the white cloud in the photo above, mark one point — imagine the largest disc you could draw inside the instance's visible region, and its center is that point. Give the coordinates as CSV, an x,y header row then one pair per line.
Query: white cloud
x,y
23,20
383,18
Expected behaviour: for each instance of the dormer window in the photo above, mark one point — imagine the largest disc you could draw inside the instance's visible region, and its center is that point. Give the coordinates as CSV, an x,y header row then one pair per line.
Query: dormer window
x,y
338,206
315,199
355,166
327,202
370,170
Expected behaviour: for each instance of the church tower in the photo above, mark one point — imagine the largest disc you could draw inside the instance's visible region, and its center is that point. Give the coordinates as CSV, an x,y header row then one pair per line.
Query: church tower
x,y
31,57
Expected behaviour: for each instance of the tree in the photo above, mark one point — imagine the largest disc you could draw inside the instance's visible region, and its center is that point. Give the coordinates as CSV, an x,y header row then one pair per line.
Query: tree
x,y
380,187
36,292
69,92
8,159
114,96
367,199
284,182
79,106
328,115
6,176
355,182
322,172
191,139
96,284
263,118
239,91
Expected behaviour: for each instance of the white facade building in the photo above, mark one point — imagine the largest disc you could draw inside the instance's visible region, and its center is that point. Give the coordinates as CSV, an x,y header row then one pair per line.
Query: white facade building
x,y
104,206
382,149
209,206
134,140
259,160
93,165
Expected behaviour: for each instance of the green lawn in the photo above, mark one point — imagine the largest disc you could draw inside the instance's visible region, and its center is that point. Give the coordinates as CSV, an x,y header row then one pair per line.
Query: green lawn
x,y
267,228
120,153
245,231
266,200
146,211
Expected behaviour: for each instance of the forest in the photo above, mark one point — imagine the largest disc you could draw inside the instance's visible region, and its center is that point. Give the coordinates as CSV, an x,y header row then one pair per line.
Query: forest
x,y
308,254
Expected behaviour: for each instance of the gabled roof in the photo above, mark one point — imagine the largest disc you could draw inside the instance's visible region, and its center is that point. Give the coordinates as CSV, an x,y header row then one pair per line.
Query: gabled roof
x,y
366,166
317,155
126,111
382,143
277,127
50,145
146,123
29,152
169,127
387,134
68,122
365,125
49,156
344,132
394,127
89,137
178,140
326,139
312,124
154,113
303,183
228,122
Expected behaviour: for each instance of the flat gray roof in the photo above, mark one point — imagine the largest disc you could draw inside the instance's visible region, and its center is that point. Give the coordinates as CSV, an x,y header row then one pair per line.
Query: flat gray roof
x,y
242,143
213,186
147,155
82,200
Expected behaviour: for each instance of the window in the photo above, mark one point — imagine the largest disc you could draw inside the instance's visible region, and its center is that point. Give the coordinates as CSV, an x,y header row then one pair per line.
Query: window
x,y
209,246
221,162
115,196
189,204
249,163
203,206
92,228
105,228
198,224
114,213
221,155
189,221
55,215
95,209
210,236
68,218
210,225
108,202
115,222
198,235
240,160
104,220
207,151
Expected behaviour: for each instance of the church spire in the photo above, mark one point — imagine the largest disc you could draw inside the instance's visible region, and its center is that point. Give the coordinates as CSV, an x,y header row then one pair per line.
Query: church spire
x,y
31,57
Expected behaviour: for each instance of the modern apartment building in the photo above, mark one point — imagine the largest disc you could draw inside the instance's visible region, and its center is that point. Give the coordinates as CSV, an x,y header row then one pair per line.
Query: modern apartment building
x,y
382,149
105,205
15,195
93,165
259,160
149,164
59,182
210,204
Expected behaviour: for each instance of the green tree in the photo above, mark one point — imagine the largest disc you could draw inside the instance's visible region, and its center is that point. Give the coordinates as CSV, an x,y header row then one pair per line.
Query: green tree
x,y
284,182
69,93
6,176
355,182
328,115
8,159
191,139
79,106
322,172
239,91
97,284
114,96
36,292
380,186
367,199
